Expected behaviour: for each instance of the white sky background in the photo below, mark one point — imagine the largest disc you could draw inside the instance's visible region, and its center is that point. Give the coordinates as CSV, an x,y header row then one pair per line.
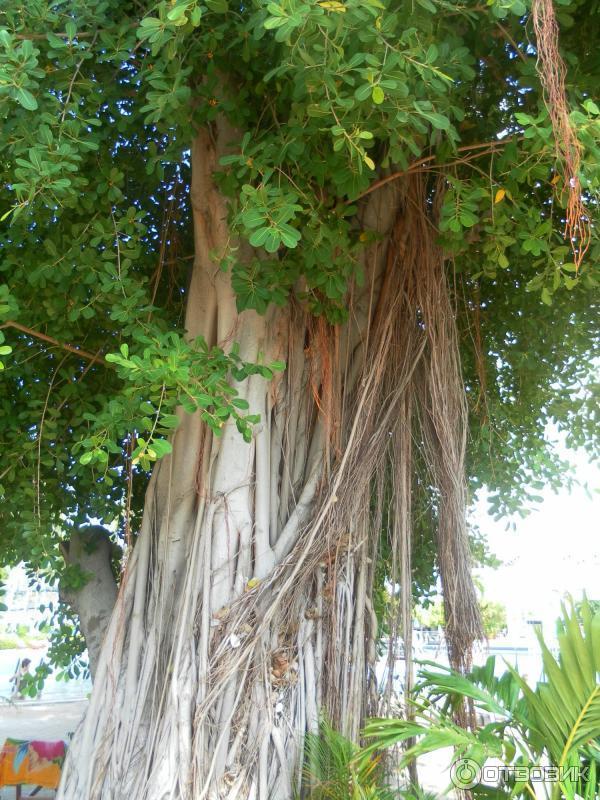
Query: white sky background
x,y
552,552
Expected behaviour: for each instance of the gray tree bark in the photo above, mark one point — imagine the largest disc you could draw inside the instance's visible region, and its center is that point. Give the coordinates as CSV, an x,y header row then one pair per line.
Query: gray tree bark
x,y
91,549
245,609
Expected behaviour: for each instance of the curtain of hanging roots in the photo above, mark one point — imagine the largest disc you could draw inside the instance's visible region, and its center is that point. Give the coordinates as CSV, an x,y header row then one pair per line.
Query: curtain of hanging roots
x,y
246,607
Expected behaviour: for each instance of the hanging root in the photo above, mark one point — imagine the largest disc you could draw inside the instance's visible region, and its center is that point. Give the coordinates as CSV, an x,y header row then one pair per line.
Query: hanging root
x,y
444,421
552,72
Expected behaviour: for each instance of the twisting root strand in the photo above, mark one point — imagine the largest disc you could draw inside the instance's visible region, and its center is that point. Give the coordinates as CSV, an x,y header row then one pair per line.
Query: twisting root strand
x,y
553,72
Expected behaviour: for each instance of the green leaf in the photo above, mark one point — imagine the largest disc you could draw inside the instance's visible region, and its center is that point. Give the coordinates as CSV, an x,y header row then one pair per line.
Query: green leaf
x,y
217,6
239,402
438,121
363,92
151,24
26,99
289,236
272,240
432,54
177,13
169,420
253,217
161,447
274,22
259,237
378,95
467,218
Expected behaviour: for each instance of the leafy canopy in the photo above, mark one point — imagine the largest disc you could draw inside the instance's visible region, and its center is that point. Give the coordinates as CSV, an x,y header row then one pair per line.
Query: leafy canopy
x,y
99,103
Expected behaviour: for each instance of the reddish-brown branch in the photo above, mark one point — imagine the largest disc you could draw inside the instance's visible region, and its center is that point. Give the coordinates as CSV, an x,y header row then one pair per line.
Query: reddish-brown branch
x,y
64,34
512,42
93,357
424,164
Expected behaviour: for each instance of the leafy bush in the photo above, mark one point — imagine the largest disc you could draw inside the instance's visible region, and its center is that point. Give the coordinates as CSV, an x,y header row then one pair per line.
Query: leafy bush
x,y
493,616
556,723
9,641
336,769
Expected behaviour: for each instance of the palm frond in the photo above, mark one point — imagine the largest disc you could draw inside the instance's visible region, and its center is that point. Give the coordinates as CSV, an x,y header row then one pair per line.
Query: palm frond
x,y
558,719
337,769
566,707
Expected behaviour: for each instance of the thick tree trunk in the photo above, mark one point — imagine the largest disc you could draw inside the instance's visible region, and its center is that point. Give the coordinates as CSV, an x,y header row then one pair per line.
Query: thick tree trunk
x,y
245,609
90,549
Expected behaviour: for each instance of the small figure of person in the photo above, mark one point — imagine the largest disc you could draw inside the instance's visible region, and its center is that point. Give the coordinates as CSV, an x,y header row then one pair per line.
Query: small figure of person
x,y
19,678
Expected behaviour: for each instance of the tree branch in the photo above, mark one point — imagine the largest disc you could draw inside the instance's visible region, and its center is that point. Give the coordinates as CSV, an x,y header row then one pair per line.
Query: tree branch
x,y
64,34
423,164
512,42
93,357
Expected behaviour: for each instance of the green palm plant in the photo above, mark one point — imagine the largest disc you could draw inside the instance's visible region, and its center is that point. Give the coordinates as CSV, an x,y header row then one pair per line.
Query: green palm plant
x,y
336,769
555,724
565,709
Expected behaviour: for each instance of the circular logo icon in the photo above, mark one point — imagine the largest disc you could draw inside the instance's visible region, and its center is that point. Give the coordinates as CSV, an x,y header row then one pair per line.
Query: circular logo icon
x,y
465,773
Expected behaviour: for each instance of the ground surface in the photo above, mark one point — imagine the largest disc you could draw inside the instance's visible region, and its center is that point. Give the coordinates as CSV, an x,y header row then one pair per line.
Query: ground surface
x,y
25,720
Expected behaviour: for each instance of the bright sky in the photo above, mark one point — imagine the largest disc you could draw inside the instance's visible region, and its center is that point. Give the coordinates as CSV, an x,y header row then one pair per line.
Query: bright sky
x,y
552,552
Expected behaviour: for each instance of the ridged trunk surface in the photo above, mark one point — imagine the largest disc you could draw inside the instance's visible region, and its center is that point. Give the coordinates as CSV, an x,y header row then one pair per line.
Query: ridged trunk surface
x,y
245,608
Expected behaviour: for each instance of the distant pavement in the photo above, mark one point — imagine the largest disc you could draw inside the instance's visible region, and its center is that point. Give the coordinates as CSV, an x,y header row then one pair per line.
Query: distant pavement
x,y
48,721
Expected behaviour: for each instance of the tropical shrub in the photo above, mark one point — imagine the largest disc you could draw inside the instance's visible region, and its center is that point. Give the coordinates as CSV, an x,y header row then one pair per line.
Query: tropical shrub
x,y
335,768
546,737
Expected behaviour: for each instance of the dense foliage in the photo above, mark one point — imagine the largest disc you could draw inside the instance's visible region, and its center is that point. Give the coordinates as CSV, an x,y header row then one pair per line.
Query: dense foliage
x,y
99,103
